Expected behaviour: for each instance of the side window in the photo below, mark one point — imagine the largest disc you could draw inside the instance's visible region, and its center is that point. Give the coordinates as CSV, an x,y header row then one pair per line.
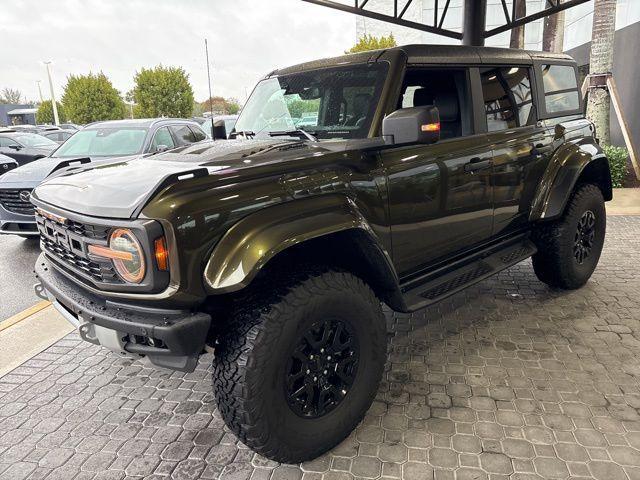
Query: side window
x,y
448,90
7,142
560,88
183,134
198,133
508,98
162,137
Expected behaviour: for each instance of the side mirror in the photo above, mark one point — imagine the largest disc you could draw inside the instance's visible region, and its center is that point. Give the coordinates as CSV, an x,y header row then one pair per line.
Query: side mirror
x,y
162,148
412,125
219,130
15,147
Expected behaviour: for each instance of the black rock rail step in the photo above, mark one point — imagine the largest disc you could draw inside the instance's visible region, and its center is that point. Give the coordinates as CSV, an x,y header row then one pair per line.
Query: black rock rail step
x,y
444,281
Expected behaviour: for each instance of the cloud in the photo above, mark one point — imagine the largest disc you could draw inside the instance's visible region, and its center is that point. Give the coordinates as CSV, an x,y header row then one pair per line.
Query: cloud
x,y
247,39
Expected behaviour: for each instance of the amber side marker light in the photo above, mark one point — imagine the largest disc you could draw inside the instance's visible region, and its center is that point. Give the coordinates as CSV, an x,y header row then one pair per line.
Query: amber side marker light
x,y
162,254
431,127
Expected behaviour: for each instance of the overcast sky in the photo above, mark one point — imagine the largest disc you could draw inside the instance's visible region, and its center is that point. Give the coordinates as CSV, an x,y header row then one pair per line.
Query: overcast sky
x,y
247,39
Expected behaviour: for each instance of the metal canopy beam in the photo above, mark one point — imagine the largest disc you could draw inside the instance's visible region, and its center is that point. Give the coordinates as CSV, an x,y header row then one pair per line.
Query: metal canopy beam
x,y
396,17
474,22
552,7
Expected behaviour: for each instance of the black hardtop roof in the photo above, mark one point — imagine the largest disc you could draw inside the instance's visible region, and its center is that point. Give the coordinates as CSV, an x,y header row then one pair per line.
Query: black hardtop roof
x,y
434,54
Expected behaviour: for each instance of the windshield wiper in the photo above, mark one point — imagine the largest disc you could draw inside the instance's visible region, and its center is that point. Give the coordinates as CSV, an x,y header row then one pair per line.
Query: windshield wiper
x,y
296,132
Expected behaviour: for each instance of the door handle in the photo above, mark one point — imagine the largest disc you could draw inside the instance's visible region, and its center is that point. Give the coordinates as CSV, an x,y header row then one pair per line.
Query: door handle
x,y
478,163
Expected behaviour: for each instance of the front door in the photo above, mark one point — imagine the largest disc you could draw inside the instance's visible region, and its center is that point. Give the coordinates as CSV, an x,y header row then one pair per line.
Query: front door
x,y
440,195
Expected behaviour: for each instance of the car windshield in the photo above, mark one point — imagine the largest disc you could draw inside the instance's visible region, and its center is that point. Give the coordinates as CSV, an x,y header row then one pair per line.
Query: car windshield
x,y
33,140
330,103
103,142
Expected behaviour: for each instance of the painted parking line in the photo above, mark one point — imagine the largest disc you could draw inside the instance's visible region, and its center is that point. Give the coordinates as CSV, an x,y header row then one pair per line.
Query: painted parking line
x,y
18,317
30,332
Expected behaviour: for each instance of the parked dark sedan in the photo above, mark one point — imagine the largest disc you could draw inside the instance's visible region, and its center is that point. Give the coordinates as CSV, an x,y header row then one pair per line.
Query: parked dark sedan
x,y
25,147
98,143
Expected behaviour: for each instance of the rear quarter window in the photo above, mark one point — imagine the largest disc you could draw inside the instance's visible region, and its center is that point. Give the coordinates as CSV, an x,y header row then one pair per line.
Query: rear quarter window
x,y
560,87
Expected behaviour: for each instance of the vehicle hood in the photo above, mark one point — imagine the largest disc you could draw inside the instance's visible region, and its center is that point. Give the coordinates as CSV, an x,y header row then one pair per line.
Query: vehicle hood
x,y
33,173
116,189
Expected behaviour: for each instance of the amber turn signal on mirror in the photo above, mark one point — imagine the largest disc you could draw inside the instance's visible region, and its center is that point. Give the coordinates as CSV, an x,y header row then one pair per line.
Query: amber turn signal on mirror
x,y
431,127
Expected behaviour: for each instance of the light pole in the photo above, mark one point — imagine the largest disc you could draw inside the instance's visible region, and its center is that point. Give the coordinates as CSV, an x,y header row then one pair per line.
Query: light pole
x,y
40,91
206,52
53,97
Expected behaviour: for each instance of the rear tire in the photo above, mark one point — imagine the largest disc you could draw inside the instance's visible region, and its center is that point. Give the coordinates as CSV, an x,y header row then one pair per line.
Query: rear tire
x,y
569,248
297,368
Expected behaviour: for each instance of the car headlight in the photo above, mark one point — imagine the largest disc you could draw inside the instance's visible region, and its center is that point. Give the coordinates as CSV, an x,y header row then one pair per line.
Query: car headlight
x,y
125,252
130,266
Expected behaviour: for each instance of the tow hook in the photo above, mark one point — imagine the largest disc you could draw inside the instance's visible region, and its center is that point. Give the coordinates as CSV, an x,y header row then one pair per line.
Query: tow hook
x,y
40,291
88,334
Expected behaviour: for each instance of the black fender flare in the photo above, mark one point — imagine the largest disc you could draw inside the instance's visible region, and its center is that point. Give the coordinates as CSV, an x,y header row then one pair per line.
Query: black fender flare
x,y
568,164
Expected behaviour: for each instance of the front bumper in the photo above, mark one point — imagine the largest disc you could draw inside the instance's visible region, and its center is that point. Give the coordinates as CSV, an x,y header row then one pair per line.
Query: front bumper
x,y
17,224
169,338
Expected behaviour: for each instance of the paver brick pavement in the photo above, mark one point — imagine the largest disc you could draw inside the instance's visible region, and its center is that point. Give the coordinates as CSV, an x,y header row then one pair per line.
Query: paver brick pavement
x,y
506,380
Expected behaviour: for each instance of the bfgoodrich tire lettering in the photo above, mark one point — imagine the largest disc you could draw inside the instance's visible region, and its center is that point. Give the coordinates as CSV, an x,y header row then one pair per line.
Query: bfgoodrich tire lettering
x,y
569,248
253,359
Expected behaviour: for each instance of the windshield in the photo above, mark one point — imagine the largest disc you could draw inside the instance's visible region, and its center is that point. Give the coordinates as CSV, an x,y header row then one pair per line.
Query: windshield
x,y
103,142
331,103
33,140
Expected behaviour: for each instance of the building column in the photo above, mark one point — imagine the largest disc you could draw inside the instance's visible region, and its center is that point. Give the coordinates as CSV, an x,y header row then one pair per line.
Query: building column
x,y
474,22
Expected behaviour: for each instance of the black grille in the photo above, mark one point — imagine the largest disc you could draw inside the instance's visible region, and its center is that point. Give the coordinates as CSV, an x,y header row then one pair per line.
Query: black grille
x,y
65,243
17,201
101,273
5,167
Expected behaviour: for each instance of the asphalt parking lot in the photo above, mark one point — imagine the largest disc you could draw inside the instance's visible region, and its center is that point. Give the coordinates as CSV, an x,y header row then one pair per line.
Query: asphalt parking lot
x,y
17,258
507,380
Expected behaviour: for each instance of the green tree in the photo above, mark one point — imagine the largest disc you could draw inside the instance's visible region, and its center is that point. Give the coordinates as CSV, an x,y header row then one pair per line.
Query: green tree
x,y
45,112
90,98
233,106
369,42
221,106
162,92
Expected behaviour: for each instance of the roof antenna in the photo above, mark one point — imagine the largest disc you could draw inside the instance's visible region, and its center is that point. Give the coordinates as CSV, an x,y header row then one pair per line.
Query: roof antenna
x,y
206,50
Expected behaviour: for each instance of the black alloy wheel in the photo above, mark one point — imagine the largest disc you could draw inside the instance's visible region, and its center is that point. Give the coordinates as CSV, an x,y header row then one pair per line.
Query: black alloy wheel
x,y
584,238
322,368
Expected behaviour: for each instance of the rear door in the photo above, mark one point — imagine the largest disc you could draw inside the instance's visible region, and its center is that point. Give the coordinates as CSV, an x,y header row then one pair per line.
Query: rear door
x,y
520,143
183,134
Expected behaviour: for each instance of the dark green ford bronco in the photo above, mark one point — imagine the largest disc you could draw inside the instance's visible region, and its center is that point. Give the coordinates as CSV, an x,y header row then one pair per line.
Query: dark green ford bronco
x,y
394,177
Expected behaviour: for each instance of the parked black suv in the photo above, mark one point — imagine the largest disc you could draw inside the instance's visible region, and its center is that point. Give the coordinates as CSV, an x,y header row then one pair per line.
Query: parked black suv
x,y
429,168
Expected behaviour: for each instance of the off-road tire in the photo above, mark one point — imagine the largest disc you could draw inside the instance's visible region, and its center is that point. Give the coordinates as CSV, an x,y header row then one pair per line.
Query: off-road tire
x,y
555,263
252,354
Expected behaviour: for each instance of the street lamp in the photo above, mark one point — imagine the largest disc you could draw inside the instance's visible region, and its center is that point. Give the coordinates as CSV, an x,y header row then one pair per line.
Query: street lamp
x,y
56,119
40,91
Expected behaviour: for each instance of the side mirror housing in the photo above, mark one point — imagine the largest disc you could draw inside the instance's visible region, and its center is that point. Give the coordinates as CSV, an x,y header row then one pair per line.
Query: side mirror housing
x,y
15,147
162,148
219,130
412,125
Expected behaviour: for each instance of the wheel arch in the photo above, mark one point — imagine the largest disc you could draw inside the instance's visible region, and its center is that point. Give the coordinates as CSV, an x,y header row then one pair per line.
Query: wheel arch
x,y
326,230
571,165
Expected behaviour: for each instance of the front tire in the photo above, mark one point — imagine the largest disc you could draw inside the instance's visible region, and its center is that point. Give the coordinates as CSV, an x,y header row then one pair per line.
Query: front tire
x,y
569,248
296,369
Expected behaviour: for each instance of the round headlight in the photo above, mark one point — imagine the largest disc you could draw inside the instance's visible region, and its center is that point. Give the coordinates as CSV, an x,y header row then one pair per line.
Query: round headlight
x,y
130,266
